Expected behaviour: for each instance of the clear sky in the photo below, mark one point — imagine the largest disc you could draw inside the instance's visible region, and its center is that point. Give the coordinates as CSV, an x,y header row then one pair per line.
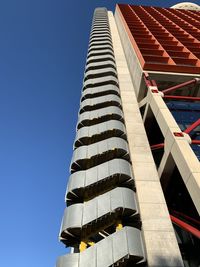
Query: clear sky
x,y
43,45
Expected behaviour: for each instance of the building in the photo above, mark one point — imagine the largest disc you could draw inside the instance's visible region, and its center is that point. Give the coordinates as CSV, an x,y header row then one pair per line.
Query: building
x,y
133,196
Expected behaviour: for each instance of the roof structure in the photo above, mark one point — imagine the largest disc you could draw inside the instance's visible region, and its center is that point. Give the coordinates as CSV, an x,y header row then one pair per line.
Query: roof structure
x,y
186,6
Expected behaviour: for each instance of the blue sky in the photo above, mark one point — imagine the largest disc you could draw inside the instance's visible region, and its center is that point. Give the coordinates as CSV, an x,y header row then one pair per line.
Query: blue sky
x,y
43,45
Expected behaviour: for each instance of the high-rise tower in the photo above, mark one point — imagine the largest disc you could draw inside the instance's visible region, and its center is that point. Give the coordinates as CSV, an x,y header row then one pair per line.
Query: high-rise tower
x,y
133,195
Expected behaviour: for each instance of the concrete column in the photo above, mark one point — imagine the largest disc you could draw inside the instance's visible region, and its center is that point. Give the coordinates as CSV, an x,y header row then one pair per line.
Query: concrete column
x,y
160,241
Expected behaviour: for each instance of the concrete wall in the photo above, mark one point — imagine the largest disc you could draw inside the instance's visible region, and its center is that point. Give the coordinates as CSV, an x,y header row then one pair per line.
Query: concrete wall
x,y
160,241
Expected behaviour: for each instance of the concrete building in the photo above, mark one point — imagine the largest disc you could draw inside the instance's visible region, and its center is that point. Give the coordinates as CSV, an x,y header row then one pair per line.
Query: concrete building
x,y
133,196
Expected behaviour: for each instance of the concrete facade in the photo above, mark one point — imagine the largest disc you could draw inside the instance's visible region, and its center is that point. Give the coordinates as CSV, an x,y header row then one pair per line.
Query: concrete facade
x,y
159,236
118,211
102,221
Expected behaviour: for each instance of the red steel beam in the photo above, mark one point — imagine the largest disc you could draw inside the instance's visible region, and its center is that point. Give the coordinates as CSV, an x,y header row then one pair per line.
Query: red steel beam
x,y
178,213
192,126
161,145
191,98
178,86
157,146
148,81
196,142
185,226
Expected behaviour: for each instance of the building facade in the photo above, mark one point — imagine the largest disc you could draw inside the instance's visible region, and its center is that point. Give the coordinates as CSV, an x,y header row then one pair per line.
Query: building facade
x,y
133,196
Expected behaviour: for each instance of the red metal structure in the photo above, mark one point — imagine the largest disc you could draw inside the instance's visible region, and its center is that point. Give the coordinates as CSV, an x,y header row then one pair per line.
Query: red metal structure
x,y
187,227
165,52
164,39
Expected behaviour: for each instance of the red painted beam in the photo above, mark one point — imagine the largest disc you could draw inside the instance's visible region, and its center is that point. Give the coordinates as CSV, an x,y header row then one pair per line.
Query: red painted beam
x,y
191,98
157,146
192,126
148,82
178,86
185,226
188,218
196,142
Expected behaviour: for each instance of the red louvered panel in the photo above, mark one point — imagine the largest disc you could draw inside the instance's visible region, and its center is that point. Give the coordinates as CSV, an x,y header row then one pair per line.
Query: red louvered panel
x,y
164,39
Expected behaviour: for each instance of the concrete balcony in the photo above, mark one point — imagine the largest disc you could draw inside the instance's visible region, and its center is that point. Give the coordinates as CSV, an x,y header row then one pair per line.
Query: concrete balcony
x,y
100,102
90,118
89,183
100,91
124,247
96,72
95,82
92,134
85,219
86,157
100,65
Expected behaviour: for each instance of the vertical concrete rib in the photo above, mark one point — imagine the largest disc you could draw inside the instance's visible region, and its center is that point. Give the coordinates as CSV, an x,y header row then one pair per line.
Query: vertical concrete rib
x,y
160,241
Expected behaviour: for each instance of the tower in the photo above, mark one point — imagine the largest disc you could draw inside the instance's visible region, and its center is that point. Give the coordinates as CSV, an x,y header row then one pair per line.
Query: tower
x,y
133,195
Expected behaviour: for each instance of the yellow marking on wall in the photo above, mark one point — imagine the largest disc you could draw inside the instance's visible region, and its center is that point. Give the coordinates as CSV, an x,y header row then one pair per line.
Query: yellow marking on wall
x,y
119,226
